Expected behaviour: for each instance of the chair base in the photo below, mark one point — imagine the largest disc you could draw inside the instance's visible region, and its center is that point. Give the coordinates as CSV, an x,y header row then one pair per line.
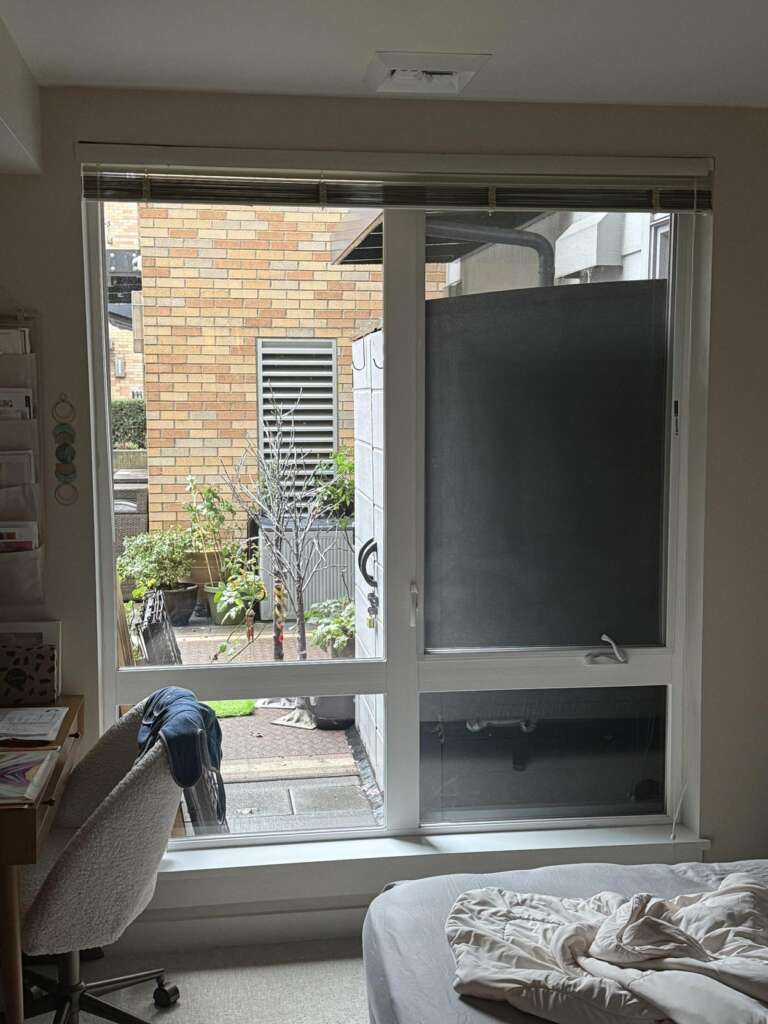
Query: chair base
x,y
68,995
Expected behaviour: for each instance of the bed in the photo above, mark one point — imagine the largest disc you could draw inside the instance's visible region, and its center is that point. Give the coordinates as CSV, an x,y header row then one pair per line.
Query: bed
x,y
409,966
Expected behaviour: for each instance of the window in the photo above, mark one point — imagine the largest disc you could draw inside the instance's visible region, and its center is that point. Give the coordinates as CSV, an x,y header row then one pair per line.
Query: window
x,y
541,754
660,247
421,440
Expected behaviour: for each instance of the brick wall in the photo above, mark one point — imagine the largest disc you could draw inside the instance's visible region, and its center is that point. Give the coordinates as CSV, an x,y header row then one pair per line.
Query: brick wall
x,y
215,279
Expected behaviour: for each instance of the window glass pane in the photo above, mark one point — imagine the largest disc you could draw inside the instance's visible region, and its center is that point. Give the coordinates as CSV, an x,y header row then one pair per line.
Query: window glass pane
x,y
546,426
245,361
500,755
312,765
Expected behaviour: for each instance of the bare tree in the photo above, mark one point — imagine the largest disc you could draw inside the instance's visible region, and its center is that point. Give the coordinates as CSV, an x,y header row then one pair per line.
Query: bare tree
x,y
278,484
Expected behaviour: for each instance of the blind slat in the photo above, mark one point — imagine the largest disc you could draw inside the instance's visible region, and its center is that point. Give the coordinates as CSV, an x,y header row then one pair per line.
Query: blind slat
x,y
611,194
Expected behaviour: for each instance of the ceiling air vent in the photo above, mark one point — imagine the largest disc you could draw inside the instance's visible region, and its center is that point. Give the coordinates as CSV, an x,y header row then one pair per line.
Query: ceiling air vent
x,y
423,74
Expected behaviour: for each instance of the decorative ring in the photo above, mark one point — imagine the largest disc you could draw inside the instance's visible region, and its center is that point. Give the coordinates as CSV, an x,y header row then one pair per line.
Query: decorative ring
x,y
66,494
63,410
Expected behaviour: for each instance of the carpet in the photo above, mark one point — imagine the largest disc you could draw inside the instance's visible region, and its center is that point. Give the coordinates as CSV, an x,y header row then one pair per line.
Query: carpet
x,y
318,982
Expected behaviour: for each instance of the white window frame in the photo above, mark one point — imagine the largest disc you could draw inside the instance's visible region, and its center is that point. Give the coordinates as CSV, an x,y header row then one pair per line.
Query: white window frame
x,y
406,671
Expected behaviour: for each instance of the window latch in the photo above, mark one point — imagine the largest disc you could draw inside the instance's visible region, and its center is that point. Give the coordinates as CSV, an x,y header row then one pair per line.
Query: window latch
x,y
615,653
414,604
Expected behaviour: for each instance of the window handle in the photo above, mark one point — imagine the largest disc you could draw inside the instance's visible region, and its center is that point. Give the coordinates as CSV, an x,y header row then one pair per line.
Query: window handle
x,y
616,653
414,604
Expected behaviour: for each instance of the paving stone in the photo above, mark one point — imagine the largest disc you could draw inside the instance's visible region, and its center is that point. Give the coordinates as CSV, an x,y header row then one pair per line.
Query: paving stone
x,y
330,797
256,799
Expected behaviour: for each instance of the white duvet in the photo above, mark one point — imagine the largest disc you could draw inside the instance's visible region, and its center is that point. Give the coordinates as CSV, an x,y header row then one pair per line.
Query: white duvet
x,y
696,959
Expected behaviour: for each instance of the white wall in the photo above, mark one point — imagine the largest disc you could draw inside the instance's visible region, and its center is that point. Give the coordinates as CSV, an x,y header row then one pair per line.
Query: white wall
x,y
41,267
20,145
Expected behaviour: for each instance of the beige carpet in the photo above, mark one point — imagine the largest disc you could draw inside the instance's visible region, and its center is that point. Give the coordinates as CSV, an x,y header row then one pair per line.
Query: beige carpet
x,y
301,983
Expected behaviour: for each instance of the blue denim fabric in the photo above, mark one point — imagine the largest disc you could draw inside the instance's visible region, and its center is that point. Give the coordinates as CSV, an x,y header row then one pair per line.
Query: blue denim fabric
x,y
188,728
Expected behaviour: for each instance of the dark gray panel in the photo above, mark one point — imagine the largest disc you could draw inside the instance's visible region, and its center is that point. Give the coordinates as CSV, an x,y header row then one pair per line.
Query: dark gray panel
x,y
546,753
546,413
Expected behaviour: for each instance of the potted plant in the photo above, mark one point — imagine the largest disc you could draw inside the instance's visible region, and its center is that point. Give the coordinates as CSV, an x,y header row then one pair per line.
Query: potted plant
x,y
334,627
161,560
232,600
213,529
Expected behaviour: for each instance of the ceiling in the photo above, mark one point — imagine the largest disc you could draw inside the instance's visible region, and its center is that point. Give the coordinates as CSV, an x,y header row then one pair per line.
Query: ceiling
x,y
572,51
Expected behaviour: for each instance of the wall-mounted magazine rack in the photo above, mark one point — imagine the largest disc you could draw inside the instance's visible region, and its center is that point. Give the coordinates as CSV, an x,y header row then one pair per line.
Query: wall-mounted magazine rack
x,y
21,508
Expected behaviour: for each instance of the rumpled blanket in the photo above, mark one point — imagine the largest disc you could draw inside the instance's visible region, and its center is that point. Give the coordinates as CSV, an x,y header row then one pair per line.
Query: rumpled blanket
x,y
694,959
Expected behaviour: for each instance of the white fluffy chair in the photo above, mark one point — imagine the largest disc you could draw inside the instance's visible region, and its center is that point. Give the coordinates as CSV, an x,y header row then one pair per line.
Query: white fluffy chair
x,y
99,871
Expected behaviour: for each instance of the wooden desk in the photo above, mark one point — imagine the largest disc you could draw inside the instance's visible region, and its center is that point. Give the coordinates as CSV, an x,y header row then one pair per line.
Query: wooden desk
x,y
22,835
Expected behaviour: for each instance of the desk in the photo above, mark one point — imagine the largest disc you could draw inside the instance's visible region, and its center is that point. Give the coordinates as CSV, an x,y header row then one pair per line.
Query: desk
x,y
22,834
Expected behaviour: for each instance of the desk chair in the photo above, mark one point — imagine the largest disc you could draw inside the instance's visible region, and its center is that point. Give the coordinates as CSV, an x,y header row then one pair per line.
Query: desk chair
x,y
98,872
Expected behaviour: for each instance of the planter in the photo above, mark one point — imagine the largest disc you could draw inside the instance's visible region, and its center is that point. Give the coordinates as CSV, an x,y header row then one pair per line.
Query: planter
x,y
333,712
217,617
345,652
202,568
180,603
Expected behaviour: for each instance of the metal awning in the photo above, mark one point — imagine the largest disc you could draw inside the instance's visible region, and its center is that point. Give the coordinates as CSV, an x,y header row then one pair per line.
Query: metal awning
x,y
359,237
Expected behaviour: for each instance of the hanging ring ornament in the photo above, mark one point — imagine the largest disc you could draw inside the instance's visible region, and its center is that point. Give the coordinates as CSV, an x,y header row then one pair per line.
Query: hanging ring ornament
x,y
63,410
66,494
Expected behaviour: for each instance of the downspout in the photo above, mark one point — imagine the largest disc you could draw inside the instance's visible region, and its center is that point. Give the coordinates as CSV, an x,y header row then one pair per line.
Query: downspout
x,y
499,235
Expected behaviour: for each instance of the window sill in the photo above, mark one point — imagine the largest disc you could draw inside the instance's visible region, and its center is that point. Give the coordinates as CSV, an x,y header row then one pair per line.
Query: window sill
x,y
240,895
385,859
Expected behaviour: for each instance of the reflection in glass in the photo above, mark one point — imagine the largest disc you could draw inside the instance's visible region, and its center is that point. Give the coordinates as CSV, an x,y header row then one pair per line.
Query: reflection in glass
x,y
500,755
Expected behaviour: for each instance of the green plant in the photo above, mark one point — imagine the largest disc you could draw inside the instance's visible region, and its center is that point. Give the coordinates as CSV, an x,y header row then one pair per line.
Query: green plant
x,y
238,594
336,494
129,423
213,531
335,623
159,559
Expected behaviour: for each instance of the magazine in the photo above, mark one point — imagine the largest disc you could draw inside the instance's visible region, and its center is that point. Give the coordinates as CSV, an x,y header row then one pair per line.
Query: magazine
x,y
16,468
24,773
31,725
14,341
15,404
18,536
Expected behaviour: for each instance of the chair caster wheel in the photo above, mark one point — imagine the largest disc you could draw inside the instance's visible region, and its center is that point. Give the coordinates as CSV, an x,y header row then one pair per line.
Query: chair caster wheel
x,y
165,995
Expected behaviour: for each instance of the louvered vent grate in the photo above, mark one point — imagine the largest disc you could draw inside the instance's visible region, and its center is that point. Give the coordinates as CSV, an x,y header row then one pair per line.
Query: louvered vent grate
x,y
299,378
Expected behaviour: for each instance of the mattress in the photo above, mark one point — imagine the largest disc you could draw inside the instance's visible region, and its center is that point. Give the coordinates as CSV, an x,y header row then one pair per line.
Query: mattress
x,y
408,963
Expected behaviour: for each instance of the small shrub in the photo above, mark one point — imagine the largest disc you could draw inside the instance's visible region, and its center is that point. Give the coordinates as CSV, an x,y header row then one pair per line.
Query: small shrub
x,y
336,494
159,559
129,423
334,623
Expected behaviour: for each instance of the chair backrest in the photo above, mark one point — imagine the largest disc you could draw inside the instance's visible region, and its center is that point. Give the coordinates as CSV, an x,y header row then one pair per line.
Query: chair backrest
x,y
107,762
105,875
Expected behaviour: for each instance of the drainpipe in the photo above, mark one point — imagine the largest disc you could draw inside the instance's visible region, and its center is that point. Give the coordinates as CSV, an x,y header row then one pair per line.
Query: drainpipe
x,y
499,235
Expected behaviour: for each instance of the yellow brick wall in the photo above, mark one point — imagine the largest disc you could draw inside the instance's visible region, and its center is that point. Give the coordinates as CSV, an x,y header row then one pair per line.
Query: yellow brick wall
x,y
215,279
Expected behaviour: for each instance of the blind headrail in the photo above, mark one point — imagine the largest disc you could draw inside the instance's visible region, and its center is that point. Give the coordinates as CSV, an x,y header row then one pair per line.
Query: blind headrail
x,y
661,193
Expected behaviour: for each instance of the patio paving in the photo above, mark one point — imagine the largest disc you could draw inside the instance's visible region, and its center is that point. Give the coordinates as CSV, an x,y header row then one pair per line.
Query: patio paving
x,y
199,643
283,779
257,750
300,806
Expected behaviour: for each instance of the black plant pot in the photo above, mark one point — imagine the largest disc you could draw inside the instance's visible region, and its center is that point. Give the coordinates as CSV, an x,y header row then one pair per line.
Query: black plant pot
x,y
180,603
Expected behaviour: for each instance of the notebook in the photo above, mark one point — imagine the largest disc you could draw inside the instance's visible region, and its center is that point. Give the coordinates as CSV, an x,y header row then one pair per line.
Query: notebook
x,y
24,773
